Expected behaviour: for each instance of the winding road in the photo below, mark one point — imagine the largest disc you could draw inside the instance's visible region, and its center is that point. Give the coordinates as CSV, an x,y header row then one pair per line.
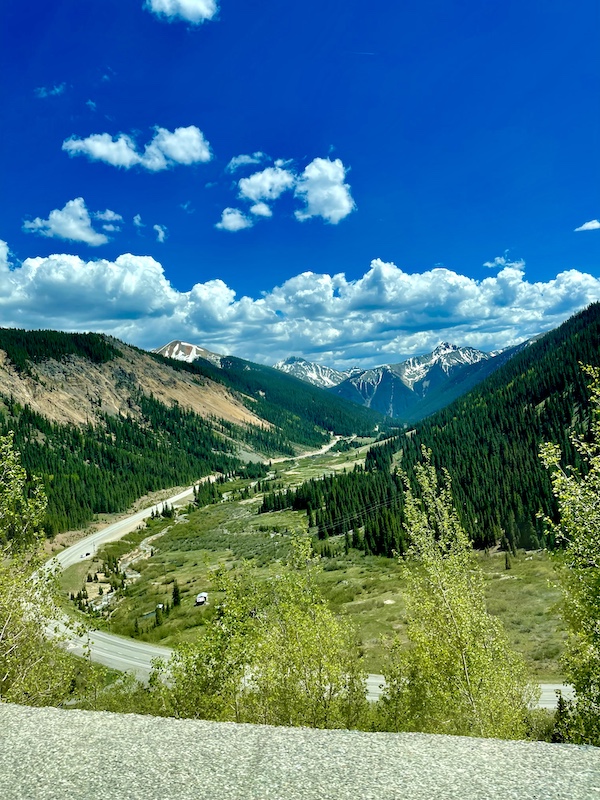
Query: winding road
x,y
130,655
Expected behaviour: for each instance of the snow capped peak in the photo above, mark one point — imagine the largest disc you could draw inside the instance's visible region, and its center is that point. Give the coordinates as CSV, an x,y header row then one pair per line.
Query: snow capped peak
x,y
184,351
309,371
445,356
443,348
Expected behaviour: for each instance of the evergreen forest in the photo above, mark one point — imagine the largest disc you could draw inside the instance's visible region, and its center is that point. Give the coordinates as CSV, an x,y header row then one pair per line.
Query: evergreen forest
x,y
105,465
489,442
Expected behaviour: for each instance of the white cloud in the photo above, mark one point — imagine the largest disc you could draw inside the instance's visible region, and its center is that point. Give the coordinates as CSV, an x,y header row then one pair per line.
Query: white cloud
x,y
53,91
4,257
166,149
73,222
592,225
268,184
183,146
137,221
261,210
119,152
245,160
232,219
91,105
504,261
384,316
321,186
194,11
161,232
108,216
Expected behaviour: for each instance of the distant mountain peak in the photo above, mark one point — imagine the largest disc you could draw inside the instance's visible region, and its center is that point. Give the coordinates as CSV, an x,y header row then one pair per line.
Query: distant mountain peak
x,y
398,390
311,372
445,347
184,351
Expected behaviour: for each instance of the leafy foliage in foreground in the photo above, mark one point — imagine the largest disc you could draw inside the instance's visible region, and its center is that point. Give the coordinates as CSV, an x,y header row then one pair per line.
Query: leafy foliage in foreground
x,y
578,530
459,675
273,654
32,669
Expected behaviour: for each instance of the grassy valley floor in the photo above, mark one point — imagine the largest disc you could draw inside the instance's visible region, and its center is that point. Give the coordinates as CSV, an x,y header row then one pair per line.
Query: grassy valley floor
x,y
369,589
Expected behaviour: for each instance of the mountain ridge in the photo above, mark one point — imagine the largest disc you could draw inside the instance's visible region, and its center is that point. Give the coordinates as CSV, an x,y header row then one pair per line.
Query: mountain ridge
x,y
407,390
103,423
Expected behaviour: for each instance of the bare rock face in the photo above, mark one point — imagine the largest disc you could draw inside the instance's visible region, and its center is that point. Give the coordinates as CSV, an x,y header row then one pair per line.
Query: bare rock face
x,y
77,391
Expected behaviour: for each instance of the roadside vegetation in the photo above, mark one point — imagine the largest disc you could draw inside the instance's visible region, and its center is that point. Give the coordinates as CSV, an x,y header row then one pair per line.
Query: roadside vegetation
x,y
465,633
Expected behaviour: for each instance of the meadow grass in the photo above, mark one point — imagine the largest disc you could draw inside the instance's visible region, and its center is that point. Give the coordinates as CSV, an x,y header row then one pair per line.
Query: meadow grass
x,y
368,589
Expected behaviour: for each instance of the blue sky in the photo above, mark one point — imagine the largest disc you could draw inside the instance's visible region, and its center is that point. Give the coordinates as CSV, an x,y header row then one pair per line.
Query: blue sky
x,y
346,182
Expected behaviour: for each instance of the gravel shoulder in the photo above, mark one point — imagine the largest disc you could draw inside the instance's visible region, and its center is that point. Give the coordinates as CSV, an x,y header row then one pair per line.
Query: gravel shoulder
x,y
51,753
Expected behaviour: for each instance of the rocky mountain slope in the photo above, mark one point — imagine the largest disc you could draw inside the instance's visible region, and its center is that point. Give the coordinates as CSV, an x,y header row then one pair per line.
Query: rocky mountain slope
x,y
412,389
72,389
311,372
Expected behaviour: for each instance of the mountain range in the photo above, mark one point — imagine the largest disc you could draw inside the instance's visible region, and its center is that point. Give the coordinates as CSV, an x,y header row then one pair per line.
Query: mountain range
x,y
317,374
103,423
408,390
413,389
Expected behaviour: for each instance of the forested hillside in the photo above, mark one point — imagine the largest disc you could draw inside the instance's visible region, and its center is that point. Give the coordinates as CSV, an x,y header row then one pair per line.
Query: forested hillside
x,y
488,441
103,423
26,347
301,411
105,467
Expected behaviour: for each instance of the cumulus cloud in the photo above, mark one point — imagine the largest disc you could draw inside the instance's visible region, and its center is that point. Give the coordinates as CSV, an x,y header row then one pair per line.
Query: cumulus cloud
x,y
137,221
321,186
161,232
108,216
53,91
592,225
166,149
268,184
245,160
383,317
73,222
261,210
194,11
232,219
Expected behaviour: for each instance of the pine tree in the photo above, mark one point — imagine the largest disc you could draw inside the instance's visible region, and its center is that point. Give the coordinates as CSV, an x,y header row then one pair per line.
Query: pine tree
x,y
176,594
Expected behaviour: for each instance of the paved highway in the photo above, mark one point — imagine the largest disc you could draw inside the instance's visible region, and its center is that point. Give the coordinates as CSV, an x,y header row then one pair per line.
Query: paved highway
x,y
129,655
86,548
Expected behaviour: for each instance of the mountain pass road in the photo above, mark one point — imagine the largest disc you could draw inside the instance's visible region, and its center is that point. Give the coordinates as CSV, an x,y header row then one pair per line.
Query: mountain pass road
x,y
129,655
